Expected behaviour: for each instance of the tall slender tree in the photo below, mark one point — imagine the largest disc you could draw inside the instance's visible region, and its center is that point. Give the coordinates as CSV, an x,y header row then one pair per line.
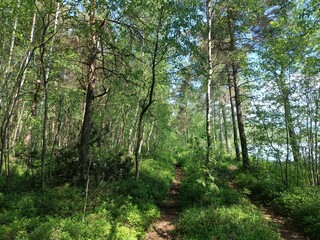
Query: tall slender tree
x,y
237,94
209,12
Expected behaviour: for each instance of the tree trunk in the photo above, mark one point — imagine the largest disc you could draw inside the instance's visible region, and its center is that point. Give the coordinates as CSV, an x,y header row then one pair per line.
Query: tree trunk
x,y
149,136
149,98
243,139
13,98
233,116
210,74
30,140
237,95
45,72
214,136
4,83
11,51
131,131
220,123
17,128
87,119
45,97
288,117
225,127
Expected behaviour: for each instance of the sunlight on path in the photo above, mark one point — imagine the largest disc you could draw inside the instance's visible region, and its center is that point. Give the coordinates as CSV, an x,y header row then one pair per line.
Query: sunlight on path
x,y
287,231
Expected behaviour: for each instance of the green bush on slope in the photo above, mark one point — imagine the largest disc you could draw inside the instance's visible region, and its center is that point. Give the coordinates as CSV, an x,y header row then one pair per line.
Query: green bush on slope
x,y
301,204
219,213
233,222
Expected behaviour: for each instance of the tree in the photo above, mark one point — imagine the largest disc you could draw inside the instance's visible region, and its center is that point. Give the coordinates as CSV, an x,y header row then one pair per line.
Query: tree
x,y
209,82
84,161
233,116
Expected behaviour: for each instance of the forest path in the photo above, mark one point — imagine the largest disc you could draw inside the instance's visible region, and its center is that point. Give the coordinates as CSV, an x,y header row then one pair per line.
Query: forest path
x,y
286,229
163,229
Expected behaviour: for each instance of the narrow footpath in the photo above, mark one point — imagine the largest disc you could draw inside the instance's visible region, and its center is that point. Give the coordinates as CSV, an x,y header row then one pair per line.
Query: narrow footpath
x,y
286,229
164,228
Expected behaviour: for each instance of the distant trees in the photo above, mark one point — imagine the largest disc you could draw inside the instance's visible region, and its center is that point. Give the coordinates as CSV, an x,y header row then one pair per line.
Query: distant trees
x,y
283,105
259,62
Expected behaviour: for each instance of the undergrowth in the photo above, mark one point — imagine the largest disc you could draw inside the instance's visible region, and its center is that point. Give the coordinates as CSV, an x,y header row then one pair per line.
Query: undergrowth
x,y
122,209
214,210
300,203
240,221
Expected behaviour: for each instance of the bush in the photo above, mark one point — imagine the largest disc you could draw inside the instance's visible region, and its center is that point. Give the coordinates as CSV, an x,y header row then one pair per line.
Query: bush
x,y
152,186
235,222
303,206
120,209
259,187
115,165
195,188
228,197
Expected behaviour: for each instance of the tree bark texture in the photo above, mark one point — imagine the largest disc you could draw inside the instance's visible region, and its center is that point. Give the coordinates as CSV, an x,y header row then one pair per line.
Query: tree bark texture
x,y
237,95
88,114
288,117
242,134
208,93
234,121
149,98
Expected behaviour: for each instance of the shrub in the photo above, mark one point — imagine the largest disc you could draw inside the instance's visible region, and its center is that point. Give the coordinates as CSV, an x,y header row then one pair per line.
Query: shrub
x,y
235,222
195,188
115,165
228,197
303,206
259,187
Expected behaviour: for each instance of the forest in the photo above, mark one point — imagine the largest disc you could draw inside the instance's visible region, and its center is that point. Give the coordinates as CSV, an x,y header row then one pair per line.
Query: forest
x,y
160,119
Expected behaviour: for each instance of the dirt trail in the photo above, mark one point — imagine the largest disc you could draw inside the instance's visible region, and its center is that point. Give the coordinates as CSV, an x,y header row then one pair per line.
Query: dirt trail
x,y
286,229
164,227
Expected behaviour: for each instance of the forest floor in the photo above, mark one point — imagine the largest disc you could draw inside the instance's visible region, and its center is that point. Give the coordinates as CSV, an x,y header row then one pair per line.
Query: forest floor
x,y
164,228
286,229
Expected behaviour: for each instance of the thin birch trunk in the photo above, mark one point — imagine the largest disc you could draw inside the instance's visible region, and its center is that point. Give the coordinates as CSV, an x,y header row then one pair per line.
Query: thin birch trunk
x,y
210,75
149,136
149,98
17,128
11,51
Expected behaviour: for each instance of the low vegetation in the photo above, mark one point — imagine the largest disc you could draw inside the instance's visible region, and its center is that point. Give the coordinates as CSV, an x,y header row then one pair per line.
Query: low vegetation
x,y
296,201
214,210
119,209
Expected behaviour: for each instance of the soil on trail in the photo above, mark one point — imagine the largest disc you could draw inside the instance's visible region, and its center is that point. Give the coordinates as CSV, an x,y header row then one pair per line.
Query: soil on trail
x,y
165,226
286,229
